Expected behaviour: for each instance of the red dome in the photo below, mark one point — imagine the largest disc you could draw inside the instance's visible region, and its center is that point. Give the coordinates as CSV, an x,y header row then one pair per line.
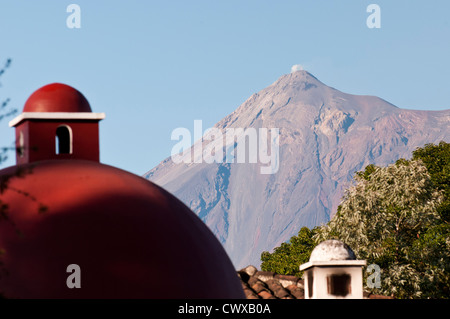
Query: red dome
x,y
131,238
57,97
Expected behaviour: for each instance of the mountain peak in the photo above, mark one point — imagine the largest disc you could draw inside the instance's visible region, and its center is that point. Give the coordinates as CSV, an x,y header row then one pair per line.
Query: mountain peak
x,y
325,136
301,75
300,80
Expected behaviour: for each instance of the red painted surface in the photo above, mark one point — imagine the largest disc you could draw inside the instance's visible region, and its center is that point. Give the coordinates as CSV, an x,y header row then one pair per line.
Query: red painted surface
x,y
39,140
40,134
130,238
57,97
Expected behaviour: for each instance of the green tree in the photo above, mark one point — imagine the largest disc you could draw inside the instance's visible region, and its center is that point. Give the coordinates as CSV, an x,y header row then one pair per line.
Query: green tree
x,y
391,218
287,258
434,244
436,158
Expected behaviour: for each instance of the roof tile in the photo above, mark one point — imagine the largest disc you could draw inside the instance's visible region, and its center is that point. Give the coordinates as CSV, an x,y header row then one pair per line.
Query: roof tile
x,y
266,295
269,285
259,286
286,280
296,291
264,275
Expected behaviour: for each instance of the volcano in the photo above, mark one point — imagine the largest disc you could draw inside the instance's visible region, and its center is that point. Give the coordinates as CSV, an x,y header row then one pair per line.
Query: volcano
x,y
325,136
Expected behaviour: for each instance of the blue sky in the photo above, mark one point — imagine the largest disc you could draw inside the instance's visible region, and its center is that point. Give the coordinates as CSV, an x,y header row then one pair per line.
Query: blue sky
x,y
153,66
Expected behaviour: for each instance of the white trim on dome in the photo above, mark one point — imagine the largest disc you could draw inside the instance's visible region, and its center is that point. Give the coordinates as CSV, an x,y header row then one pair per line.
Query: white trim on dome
x,y
56,116
332,263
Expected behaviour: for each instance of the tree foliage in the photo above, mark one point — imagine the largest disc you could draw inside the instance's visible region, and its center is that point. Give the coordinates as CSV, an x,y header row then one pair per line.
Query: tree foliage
x,y
396,217
5,111
393,217
434,245
437,160
287,258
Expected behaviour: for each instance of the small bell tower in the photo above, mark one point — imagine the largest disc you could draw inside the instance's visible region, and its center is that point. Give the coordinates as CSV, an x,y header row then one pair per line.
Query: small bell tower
x,y
57,123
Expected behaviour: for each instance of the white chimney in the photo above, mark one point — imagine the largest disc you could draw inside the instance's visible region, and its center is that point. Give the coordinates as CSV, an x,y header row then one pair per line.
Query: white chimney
x,y
333,272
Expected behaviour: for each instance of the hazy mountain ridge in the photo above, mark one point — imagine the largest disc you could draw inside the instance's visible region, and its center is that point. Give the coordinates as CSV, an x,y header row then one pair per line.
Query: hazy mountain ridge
x,y
325,136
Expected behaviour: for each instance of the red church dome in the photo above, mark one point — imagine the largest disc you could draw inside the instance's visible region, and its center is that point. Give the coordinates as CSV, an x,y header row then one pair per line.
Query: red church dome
x,y
57,97
130,238
60,207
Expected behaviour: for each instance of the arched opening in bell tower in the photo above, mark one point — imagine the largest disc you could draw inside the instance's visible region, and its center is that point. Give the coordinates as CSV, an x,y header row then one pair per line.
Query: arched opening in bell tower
x,y
63,140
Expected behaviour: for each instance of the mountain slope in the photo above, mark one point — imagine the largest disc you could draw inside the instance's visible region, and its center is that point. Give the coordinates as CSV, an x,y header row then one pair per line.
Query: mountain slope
x,y
324,137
